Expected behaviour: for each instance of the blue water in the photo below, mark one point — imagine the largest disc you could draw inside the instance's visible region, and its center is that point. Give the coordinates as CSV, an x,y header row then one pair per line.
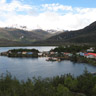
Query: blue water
x,y
40,48
23,68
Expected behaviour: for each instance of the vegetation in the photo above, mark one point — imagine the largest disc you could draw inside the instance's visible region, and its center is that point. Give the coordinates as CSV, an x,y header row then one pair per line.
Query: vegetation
x,y
71,49
81,59
65,85
19,53
24,50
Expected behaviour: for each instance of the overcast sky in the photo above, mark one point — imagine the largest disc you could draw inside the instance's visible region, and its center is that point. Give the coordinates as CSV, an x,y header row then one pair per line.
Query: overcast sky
x,y
48,14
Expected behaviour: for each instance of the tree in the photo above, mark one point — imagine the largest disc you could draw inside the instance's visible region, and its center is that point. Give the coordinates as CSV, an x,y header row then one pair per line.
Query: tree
x,y
62,91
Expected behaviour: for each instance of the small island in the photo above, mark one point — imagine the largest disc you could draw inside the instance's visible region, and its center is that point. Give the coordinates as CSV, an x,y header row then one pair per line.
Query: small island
x,y
21,53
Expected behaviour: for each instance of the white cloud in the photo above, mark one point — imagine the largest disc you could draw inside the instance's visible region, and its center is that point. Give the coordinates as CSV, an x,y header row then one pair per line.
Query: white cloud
x,y
48,17
2,1
56,7
13,6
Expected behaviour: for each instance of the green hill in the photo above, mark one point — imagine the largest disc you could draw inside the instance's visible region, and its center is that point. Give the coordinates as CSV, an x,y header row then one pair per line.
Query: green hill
x,y
12,36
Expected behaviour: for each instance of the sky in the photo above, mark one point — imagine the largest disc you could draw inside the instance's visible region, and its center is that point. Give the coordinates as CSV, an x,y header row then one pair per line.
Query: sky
x,y
47,14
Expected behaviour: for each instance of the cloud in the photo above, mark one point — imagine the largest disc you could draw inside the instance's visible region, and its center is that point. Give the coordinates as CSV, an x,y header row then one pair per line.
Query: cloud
x,y
2,1
13,6
56,7
46,16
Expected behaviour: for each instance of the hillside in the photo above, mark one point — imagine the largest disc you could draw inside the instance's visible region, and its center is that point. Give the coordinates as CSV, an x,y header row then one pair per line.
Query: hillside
x,y
12,36
17,37
86,35
41,33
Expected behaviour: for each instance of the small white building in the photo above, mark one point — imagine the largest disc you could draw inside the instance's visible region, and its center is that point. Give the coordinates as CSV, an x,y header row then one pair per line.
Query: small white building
x,y
90,50
40,54
24,53
52,53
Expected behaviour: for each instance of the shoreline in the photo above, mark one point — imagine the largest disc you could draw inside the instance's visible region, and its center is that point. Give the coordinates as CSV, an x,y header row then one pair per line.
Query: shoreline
x,y
57,54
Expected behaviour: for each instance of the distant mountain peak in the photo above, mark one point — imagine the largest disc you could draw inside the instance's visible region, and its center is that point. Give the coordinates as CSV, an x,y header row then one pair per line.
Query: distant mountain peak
x,y
16,26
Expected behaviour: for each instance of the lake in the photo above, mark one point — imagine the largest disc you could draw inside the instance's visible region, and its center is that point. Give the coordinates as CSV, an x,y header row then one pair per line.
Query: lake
x,y
23,68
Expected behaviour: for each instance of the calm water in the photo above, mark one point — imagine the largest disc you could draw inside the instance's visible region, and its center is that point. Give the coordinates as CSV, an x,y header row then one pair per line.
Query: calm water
x,y
23,68
40,48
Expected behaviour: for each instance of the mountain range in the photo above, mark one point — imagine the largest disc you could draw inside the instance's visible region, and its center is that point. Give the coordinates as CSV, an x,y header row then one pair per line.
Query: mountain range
x,y
13,36
17,37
